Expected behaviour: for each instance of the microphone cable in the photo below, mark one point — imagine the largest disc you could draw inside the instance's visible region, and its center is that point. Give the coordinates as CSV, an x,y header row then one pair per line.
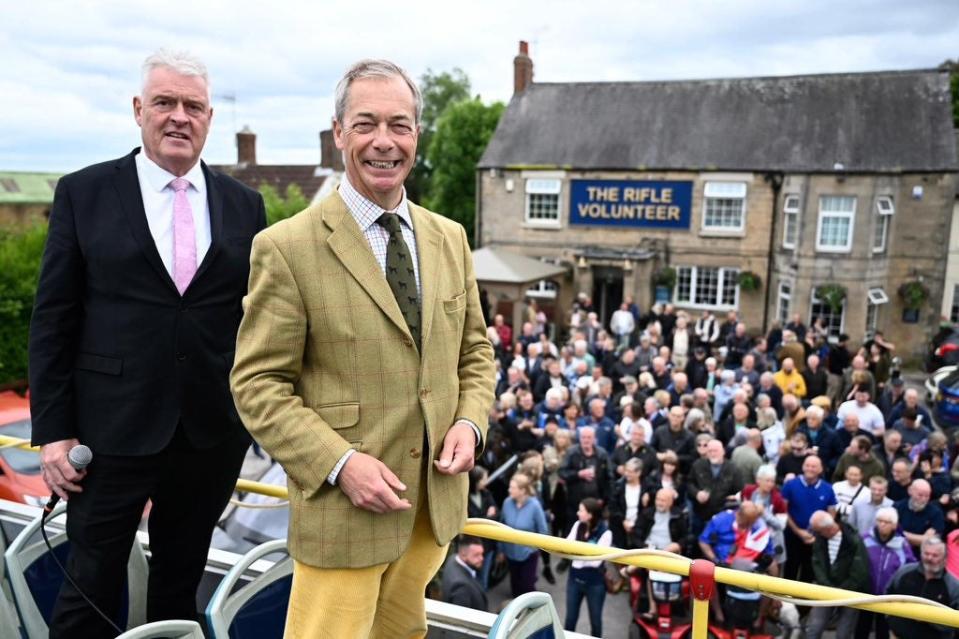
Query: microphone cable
x,y
79,457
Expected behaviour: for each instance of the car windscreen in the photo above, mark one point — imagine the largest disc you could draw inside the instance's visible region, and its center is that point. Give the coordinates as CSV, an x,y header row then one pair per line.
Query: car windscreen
x,y
26,462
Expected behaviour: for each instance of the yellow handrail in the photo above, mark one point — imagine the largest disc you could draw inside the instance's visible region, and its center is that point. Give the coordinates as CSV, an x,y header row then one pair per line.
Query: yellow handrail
x,y
775,586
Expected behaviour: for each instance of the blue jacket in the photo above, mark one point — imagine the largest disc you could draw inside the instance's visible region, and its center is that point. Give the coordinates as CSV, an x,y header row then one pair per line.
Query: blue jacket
x,y
529,518
885,559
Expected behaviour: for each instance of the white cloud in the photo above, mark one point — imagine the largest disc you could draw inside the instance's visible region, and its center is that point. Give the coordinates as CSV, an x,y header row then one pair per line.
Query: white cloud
x,y
71,68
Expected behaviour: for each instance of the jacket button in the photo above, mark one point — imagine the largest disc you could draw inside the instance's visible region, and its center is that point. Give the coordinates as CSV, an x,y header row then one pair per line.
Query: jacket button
x,y
408,342
415,454
424,392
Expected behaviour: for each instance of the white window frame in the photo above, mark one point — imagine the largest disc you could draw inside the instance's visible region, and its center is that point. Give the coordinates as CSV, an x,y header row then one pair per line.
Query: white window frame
x,y
875,298
848,215
783,310
543,290
790,211
544,186
813,300
723,275
725,190
885,209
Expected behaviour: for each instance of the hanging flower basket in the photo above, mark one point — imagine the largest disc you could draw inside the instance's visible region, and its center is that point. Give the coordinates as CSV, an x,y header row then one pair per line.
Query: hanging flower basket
x,y
749,281
832,295
914,294
665,276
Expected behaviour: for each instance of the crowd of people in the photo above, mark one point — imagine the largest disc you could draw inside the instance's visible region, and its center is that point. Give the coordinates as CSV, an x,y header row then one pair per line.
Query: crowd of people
x,y
693,434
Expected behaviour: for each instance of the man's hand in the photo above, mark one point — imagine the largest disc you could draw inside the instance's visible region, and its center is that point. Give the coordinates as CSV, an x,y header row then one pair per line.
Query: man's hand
x,y
59,476
459,446
370,485
702,496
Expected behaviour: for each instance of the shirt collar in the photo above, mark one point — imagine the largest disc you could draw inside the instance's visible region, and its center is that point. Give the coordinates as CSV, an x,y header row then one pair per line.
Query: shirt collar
x,y
365,211
802,478
471,570
159,178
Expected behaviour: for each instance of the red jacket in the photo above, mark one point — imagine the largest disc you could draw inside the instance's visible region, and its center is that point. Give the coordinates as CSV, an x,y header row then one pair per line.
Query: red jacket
x,y
779,504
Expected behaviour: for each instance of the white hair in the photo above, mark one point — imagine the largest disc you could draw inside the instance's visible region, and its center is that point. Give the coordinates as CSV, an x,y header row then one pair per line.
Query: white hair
x,y
180,61
369,68
815,411
554,393
766,471
889,512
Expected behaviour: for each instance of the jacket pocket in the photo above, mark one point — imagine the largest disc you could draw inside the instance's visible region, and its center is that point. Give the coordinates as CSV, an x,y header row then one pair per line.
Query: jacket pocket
x,y
455,304
341,415
99,364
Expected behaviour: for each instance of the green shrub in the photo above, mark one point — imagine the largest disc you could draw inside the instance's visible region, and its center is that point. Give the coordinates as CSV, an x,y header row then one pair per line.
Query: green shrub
x,y
20,253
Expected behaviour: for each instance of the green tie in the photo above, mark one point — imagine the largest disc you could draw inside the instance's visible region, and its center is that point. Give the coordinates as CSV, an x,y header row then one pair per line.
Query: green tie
x,y
400,274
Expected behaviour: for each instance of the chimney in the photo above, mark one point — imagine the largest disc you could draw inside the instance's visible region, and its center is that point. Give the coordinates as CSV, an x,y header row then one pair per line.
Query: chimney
x,y
330,156
522,69
246,147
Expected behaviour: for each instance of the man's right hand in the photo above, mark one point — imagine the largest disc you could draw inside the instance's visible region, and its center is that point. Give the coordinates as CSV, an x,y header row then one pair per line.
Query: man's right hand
x,y
370,485
59,476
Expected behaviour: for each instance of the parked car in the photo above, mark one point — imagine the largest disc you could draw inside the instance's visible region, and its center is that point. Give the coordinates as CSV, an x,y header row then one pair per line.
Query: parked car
x,y
943,349
20,478
942,395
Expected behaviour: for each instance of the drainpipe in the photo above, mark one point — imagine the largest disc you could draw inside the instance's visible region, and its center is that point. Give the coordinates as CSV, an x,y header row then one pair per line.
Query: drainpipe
x,y
479,207
775,180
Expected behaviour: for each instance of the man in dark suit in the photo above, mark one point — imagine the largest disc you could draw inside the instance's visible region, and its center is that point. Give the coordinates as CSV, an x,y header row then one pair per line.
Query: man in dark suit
x,y
461,584
131,345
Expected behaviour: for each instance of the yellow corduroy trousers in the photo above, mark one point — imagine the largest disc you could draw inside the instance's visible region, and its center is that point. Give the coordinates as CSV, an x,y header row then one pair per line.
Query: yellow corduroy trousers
x,y
385,601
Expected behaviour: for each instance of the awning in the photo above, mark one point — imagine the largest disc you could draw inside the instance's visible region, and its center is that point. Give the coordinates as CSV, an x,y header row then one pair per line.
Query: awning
x,y
502,266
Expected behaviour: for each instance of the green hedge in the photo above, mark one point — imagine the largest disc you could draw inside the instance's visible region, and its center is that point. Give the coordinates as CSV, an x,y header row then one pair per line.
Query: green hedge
x,y
20,253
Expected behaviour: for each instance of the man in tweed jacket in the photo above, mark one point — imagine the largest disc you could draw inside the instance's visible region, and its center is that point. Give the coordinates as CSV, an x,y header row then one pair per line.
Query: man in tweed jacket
x,y
375,424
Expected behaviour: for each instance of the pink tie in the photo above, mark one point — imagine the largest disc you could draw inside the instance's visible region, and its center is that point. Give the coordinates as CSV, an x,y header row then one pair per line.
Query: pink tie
x,y
184,236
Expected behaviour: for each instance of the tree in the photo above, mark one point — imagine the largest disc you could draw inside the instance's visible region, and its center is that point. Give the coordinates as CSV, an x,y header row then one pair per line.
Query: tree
x,y
952,66
439,90
20,252
462,134
279,207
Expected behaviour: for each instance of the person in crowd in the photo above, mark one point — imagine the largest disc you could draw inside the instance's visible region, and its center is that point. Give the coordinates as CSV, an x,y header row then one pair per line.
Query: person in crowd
x,y
774,435
723,392
586,578
602,425
816,377
681,343
908,425
481,505
879,363
926,578
837,361
791,462
767,386
768,497
829,418
792,348
533,466
804,495
911,399
796,327
929,467
462,584
625,503
521,423
712,480
553,457
823,442
522,511
850,491
586,472
888,450
746,458
857,377
859,454
864,512
514,381
116,363
667,476
747,372
552,377
728,327
793,414
738,343
624,367
901,479
789,380
870,417
888,552
936,441
707,330
738,422
839,560
672,436
646,352
635,448
850,430
633,419
622,324
891,397
919,517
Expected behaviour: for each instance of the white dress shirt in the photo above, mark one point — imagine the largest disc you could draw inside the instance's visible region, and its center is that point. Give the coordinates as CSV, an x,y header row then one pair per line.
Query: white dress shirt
x,y
158,205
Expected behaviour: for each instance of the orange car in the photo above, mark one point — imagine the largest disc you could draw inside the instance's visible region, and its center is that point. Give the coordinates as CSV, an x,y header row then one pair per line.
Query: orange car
x,y
20,478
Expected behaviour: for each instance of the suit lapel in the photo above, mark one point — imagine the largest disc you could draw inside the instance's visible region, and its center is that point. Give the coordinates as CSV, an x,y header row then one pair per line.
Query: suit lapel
x,y
128,188
352,249
214,198
429,244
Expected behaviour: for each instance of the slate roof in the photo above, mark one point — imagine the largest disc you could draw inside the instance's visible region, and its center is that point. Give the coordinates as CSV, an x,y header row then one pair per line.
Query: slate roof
x,y
308,177
869,122
18,187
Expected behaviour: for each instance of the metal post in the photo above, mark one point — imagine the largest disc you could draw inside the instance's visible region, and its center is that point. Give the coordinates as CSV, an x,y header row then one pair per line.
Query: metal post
x,y
701,584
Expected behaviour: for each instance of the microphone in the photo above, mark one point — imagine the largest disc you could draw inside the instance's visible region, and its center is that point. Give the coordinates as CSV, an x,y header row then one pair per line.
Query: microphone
x,y
79,457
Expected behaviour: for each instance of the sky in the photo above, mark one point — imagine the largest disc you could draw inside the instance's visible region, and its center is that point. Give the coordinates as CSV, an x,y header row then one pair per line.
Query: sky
x,y
70,69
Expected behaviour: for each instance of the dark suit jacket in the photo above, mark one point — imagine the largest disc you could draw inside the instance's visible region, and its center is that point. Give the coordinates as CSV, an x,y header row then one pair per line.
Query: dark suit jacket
x,y
117,357
461,588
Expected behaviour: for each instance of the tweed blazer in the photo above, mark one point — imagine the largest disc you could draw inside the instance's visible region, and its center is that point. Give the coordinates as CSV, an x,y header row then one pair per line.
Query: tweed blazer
x,y
325,363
